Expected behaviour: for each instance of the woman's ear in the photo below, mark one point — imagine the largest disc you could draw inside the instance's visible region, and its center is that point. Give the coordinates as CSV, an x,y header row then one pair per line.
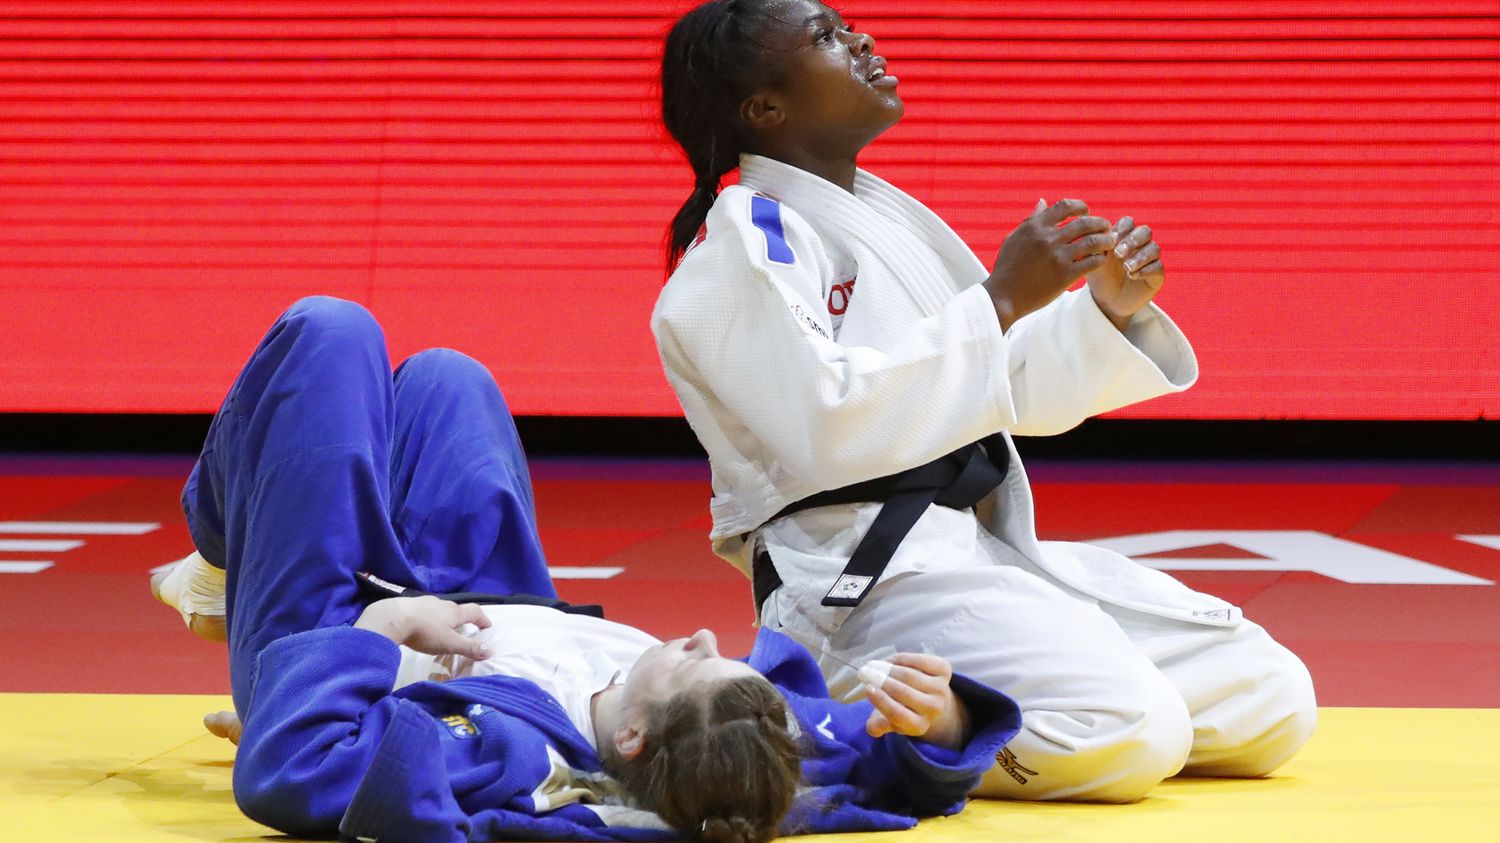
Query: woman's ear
x,y
629,741
762,111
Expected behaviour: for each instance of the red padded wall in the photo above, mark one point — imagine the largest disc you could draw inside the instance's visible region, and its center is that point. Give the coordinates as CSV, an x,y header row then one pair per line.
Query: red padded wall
x,y
490,176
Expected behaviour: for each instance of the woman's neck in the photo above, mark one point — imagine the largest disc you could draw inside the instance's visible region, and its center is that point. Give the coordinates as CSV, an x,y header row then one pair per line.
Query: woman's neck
x,y
604,711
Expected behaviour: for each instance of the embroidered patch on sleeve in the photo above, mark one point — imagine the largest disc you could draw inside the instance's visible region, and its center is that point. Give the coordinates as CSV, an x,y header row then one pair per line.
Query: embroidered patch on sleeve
x,y
461,726
766,214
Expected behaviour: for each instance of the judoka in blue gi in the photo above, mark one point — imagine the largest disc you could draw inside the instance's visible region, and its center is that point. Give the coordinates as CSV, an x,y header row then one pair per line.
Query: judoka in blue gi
x,y
425,719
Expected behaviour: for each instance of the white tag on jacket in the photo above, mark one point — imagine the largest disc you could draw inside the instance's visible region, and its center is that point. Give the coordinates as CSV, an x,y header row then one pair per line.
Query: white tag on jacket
x,y
849,587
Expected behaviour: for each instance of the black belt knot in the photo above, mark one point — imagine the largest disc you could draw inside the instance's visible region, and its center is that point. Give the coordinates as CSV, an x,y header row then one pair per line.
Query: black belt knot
x,y
958,481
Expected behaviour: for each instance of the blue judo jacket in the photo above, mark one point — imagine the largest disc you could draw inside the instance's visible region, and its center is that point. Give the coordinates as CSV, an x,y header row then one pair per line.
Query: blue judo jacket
x,y
329,749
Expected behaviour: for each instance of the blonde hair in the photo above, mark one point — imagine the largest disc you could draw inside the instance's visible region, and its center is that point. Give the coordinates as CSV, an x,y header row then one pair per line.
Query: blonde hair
x,y
720,766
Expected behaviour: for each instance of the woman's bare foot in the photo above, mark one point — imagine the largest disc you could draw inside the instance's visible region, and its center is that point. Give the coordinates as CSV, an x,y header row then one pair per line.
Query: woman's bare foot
x,y
224,724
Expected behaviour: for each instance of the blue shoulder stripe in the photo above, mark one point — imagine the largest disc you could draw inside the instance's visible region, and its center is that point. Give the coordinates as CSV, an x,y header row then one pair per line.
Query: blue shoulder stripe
x,y
766,214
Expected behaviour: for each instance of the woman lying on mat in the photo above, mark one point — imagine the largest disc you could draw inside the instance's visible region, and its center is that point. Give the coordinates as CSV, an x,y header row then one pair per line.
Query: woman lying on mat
x,y
855,373
325,478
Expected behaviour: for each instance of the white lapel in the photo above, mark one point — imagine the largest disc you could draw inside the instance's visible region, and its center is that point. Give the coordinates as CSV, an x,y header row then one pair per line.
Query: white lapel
x,y
893,202
885,230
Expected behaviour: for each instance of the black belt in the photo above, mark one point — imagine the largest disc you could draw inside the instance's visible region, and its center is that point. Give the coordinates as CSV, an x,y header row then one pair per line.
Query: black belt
x,y
958,481
374,588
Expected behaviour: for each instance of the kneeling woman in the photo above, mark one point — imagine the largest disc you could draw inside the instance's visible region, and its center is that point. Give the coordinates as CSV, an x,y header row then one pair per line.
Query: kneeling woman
x,y
546,722
855,373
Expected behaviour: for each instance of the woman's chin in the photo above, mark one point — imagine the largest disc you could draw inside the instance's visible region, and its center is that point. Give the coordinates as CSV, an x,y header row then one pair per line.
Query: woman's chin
x,y
894,112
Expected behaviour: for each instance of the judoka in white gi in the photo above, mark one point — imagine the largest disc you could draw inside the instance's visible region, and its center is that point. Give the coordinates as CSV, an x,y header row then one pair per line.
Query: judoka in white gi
x,y
824,329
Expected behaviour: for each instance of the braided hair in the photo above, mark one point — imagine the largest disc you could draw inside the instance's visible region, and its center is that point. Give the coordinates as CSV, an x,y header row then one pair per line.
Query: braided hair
x,y
721,766
714,58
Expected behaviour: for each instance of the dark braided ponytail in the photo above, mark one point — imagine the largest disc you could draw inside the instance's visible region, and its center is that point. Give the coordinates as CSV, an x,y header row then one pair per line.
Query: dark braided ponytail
x,y
713,58
719,765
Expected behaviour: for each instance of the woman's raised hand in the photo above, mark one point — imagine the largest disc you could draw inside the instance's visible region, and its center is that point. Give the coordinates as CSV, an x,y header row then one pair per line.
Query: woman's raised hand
x,y
427,624
917,700
1131,275
1047,252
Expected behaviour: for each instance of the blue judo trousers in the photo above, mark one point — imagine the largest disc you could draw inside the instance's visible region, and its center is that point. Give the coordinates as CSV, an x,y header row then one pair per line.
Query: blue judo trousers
x,y
322,462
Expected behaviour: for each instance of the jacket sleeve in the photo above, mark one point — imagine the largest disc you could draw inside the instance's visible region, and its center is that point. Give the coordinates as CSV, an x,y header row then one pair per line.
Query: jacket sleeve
x,y
319,708
745,338
901,774
1068,362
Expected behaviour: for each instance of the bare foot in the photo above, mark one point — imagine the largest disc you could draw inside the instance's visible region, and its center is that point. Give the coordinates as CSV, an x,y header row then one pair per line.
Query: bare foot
x,y
224,724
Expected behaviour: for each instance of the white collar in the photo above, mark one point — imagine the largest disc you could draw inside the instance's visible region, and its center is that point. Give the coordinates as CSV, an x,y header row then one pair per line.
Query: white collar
x,y
815,196
870,214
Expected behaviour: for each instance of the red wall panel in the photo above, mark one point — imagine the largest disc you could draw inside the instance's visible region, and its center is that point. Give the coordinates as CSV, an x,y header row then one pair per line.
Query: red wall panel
x,y
1324,178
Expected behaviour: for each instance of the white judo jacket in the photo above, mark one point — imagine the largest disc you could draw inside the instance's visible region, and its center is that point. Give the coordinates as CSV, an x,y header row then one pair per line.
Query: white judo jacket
x,y
817,338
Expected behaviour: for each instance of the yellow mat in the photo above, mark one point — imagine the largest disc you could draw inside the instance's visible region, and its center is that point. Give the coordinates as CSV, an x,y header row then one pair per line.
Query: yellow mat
x,y
140,768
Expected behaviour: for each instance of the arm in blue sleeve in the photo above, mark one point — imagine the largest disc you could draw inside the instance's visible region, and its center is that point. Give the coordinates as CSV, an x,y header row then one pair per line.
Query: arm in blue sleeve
x,y
936,780
319,706
905,775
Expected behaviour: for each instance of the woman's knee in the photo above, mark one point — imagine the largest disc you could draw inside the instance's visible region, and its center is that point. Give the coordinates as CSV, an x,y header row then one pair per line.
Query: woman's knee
x,y
326,315
445,366
1136,751
443,382
1279,715
1114,751
444,378
321,351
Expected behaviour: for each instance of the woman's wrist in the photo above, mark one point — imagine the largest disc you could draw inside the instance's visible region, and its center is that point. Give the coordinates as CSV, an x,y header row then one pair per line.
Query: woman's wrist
x,y
385,617
1119,320
955,727
1005,308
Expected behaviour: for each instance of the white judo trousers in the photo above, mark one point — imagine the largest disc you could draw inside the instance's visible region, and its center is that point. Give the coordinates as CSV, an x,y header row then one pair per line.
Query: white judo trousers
x,y
1113,701
818,338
